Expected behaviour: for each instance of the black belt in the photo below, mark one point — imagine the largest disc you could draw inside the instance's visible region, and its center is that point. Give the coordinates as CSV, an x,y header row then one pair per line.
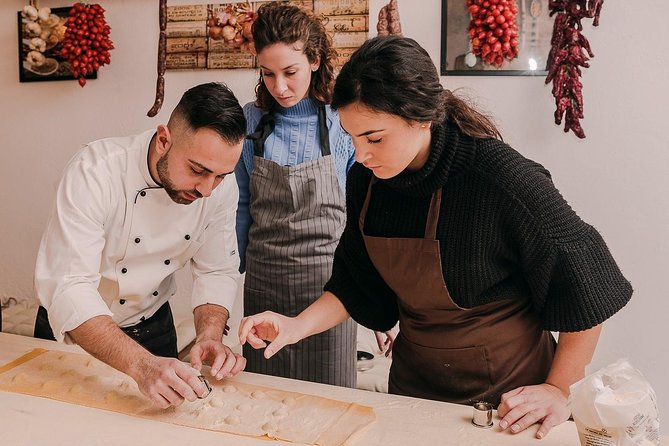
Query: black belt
x,y
156,334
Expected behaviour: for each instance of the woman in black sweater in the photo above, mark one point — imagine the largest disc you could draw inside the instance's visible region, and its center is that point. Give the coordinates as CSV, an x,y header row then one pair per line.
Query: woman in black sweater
x,y
464,241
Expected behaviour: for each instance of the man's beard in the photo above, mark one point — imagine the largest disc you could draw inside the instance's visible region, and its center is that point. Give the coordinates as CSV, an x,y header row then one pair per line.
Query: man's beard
x,y
172,191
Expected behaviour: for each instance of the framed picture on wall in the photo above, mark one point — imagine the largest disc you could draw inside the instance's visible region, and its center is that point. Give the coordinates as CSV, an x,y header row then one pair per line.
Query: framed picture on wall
x,y
40,38
534,31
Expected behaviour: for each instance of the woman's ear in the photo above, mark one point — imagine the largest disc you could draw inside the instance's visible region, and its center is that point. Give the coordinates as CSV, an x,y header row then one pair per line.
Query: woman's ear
x,y
315,65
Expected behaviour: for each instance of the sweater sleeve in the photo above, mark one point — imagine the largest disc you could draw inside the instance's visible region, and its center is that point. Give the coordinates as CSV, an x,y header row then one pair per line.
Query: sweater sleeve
x,y
575,282
344,151
243,214
242,174
355,281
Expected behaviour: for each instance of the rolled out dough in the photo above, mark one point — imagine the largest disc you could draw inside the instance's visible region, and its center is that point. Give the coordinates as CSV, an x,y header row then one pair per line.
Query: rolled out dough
x,y
232,406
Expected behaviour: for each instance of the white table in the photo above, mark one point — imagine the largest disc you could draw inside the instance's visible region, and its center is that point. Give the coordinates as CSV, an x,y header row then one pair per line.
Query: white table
x,y
27,420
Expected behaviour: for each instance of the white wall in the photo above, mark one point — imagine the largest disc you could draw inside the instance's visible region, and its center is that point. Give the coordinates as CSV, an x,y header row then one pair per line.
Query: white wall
x,y
616,179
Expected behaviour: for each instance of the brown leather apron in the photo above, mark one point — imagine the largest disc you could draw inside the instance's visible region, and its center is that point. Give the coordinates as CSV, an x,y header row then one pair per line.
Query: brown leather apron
x,y
445,352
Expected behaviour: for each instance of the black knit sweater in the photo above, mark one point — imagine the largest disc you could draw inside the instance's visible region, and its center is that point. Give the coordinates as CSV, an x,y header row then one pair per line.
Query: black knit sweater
x,y
504,232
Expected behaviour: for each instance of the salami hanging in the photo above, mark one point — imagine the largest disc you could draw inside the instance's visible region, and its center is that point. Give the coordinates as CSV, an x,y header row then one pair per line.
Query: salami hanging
x,y
162,55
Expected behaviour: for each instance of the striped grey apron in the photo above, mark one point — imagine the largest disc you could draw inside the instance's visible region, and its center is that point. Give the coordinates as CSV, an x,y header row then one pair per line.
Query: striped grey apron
x,y
298,214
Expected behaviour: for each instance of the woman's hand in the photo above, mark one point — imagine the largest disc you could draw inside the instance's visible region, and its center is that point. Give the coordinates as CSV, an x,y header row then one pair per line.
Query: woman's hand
x,y
326,312
522,407
268,326
547,403
386,345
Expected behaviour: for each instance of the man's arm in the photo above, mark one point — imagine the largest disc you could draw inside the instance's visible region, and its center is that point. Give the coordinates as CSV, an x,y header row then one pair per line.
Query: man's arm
x,y
216,280
210,326
210,322
67,276
67,271
167,381
215,265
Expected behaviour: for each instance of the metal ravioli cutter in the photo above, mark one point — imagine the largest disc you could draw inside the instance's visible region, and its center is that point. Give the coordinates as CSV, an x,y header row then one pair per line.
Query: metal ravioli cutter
x,y
204,381
482,414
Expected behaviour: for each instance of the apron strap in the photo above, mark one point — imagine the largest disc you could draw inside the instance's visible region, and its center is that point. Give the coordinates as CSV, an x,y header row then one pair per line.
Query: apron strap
x,y
324,134
266,125
365,206
433,216
264,128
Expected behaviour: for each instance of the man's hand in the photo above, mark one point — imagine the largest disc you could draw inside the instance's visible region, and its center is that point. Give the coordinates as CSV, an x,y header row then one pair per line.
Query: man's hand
x,y
168,381
224,363
210,326
522,407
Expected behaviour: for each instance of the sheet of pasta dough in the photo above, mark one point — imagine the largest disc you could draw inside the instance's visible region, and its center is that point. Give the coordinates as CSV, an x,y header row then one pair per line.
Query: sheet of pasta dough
x,y
232,407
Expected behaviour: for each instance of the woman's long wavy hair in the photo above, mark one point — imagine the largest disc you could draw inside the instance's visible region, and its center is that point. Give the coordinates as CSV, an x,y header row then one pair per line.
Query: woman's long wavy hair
x,y
395,75
279,22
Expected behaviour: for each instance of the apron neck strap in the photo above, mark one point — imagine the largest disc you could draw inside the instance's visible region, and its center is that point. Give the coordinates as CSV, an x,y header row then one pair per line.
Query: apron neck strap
x,y
323,132
432,215
264,128
365,206
266,125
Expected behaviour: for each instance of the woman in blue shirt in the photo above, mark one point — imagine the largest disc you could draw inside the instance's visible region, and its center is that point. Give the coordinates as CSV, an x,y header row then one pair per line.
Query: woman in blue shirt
x,y
292,179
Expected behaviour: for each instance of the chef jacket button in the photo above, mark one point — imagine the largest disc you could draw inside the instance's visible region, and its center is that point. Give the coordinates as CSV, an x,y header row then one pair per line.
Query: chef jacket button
x,y
143,193
187,237
167,262
155,293
137,240
122,301
124,270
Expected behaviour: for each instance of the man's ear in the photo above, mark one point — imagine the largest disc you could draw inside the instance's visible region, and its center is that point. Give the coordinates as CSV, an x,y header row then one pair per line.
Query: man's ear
x,y
163,139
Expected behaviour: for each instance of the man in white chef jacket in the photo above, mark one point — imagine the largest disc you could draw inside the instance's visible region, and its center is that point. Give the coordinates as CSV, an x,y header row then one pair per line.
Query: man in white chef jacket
x,y
129,213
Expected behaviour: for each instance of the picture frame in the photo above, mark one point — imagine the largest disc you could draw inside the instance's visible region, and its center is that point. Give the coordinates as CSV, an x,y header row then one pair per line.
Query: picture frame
x,y
54,67
535,29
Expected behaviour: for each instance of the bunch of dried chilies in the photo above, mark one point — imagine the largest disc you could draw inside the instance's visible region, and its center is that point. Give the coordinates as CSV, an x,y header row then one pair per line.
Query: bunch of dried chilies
x,y
570,50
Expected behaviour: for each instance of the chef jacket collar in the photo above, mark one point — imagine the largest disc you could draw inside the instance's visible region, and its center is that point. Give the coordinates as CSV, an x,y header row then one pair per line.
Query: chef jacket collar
x,y
144,159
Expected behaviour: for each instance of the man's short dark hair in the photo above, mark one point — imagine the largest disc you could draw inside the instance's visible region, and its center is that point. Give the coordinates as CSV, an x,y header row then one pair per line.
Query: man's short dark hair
x,y
214,106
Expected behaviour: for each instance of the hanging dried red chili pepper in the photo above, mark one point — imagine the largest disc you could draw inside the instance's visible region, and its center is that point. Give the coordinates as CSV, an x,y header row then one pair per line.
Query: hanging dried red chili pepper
x,y
570,50
493,30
